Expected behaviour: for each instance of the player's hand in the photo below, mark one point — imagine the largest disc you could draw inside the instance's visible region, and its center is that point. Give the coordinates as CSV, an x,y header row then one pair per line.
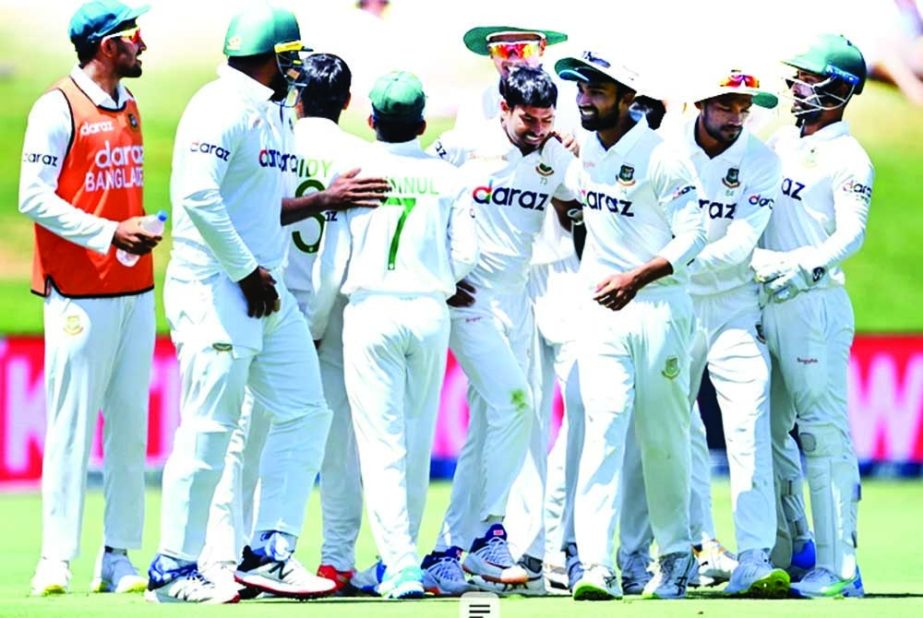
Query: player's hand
x,y
464,295
569,141
259,289
350,191
792,282
132,238
616,291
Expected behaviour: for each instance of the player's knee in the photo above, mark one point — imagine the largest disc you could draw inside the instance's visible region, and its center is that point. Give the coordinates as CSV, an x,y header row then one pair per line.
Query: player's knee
x,y
824,440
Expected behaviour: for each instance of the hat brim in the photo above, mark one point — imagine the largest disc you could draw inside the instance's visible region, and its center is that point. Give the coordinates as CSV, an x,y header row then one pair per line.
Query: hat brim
x,y
578,70
476,38
761,98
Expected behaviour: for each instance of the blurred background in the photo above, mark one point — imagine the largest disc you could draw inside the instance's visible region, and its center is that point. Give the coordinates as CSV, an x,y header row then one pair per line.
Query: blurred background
x,y
674,45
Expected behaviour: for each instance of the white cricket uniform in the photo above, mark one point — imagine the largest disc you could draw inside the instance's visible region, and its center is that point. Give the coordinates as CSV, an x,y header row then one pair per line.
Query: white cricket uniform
x,y
737,190
493,338
323,151
639,202
404,260
97,352
231,167
819,221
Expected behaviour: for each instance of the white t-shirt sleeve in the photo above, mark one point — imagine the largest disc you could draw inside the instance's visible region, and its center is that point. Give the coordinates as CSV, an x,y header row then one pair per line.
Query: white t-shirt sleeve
x,y
560,159
674,186
450,148
750,220
48,135
462,232
329,272
198,182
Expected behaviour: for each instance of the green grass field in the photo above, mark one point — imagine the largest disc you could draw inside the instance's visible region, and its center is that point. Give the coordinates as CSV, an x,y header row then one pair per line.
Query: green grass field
x,y
889,549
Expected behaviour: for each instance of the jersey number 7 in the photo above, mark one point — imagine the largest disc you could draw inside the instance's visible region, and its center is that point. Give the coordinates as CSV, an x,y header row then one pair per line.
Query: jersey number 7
x,y
407,203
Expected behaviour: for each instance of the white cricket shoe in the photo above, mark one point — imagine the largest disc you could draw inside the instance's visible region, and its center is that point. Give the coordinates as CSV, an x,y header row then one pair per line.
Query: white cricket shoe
x,y
672,578
114,572
443,574
636,572
823,583
490,558
598,583
574,565
756,577
534,587
715,563
367,581
51,577
185,584
281,578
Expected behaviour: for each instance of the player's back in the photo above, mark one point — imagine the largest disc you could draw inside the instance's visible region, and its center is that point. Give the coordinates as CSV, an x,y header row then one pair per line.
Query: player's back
x,y
403,247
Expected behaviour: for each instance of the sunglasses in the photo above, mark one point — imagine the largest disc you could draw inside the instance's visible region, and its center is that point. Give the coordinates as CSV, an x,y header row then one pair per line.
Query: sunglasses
x,y
736,80
516,49
132,35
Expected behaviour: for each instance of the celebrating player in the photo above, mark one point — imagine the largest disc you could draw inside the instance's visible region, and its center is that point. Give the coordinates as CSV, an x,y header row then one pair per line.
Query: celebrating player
x,y
819,222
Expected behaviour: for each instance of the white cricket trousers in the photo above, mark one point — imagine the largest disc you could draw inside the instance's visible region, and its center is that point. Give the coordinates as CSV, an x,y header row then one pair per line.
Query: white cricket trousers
x,y
492,341
222,351
394,358
98,354
810,337
635,362
537,502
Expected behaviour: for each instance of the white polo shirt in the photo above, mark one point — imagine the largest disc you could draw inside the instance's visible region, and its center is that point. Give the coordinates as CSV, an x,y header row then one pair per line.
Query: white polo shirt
x,y
823,204
233,162
511,194
737,192
639,202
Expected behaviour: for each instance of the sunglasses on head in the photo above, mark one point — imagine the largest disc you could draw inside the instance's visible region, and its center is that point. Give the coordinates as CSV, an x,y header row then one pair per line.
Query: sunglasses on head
x,y
505,50
132,35
736,80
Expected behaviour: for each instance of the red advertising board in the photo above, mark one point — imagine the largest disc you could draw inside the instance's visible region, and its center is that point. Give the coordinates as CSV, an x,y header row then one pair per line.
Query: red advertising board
x,y
885,405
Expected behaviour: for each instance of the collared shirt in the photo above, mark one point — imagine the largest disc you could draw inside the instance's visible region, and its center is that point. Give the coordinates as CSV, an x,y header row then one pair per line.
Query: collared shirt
x,y
824,202
737,191
639,202
232,165
422,240
511,194
324,151
48,138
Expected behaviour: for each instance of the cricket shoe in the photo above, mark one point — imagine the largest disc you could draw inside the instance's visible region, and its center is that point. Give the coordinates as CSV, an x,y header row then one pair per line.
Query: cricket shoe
x,y
673,576
443,574
490,558
636,572
804,559
281,578
556,577
823,583
405,584
598,583
340,579
51,577
534,587
574,565
715,563
170,582
114,572
755,577
367,581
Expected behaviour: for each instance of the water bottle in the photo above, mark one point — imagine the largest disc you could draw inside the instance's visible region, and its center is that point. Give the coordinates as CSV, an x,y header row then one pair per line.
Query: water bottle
x,y
151,223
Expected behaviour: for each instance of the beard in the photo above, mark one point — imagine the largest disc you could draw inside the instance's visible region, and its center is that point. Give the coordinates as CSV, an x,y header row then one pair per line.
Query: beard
x,y
596,122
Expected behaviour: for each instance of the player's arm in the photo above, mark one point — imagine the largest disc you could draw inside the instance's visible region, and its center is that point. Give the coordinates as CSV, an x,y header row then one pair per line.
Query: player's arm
x,y
348,190
750,220
564,200
450,148
852,196
48,136
329,273
462,234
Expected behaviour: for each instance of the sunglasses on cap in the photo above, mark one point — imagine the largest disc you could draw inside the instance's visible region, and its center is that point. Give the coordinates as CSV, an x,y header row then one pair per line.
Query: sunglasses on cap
x,y
132,35
505,50
736,80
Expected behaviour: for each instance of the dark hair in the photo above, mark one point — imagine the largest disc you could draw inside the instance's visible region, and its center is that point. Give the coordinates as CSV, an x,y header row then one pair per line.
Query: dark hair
x,y
328,83
86,52
396,131
528,87
248,64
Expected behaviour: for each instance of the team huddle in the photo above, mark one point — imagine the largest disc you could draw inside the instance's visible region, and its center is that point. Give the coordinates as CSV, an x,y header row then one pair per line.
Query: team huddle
x,y
317,282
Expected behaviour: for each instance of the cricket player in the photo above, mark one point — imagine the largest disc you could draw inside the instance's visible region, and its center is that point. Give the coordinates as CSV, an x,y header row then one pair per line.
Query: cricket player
x,y
234,323
819,222
324,151
644,227
512,169
81,183
404,261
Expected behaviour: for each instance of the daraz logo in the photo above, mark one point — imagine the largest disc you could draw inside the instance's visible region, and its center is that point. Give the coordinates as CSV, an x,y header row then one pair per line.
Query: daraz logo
x,y
507,196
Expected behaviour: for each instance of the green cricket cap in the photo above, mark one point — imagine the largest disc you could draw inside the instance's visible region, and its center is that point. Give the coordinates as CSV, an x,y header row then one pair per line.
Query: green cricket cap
x,y
833,55
259,29
398,95
95,19
476,39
